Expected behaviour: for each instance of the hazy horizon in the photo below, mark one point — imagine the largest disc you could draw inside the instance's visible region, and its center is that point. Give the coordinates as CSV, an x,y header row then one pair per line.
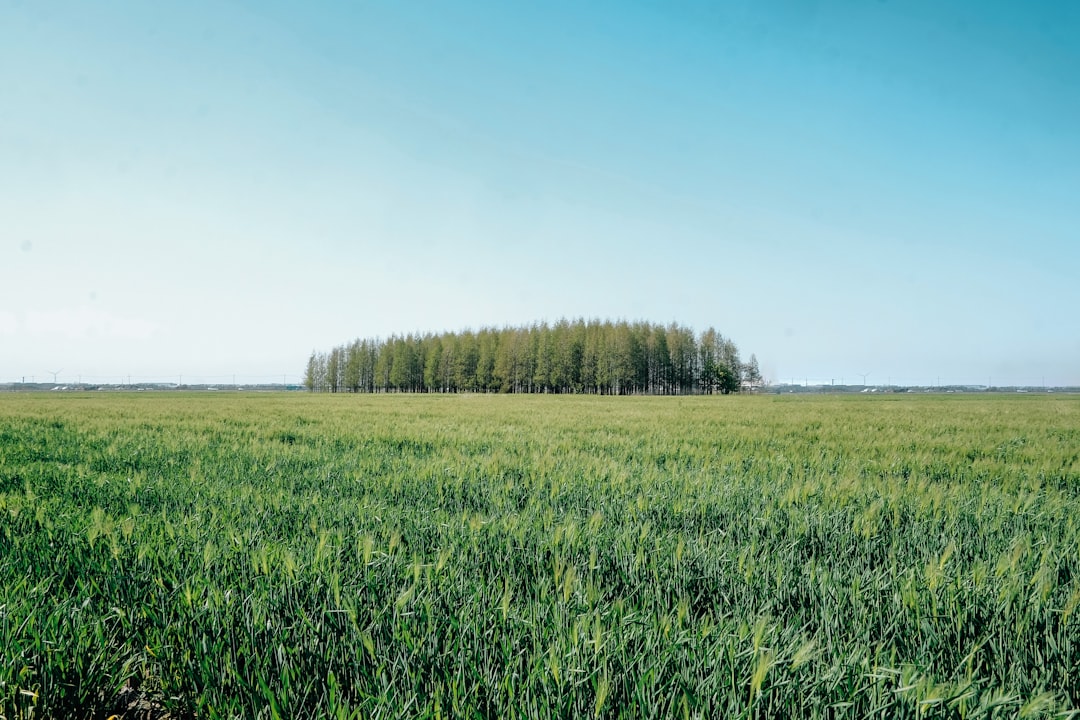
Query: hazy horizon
x,y
216,190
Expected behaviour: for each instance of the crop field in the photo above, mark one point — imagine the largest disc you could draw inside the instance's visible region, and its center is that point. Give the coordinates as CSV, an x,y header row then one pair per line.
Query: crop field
x,y
300,556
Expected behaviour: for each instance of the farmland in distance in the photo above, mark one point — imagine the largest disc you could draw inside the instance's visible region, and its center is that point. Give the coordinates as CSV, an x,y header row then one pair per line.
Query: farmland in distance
x,y
548,556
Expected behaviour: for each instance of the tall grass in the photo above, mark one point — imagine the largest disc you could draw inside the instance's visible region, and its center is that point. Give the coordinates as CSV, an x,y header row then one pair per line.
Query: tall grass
x,y
354,557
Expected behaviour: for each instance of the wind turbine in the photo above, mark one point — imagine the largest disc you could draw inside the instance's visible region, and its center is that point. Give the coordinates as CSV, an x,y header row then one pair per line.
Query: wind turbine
x,y
54,373
864,376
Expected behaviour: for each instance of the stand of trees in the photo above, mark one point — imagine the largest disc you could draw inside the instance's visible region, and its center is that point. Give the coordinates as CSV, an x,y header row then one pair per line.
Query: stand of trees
x,y
578,356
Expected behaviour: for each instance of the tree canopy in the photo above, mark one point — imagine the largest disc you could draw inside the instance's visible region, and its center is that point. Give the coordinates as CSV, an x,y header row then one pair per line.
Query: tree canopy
x,y
569,356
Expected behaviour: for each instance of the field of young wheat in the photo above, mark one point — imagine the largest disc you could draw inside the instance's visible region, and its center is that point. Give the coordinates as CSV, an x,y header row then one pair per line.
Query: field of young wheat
x,y
294,556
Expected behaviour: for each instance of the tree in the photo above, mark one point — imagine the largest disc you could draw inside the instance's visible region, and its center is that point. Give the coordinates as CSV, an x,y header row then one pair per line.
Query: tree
x,y
487,342
353,364
466,356
545,358
333,370
383,364
752,374
658,361
590,356
406,370
731,377
682,350
432,366
313,374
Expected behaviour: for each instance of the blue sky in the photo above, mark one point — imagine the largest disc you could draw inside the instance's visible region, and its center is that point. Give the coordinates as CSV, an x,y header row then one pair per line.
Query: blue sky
x,y
210,189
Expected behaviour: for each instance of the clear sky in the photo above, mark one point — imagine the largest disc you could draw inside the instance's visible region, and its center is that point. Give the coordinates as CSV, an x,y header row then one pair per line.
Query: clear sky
x,y
216,188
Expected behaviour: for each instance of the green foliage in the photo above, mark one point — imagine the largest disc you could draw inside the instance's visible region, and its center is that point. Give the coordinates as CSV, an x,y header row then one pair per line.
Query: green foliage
x,y
492,556
594,357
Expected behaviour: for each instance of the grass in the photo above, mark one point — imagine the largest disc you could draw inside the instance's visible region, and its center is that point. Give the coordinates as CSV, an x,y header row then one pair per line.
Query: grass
x,y
492,556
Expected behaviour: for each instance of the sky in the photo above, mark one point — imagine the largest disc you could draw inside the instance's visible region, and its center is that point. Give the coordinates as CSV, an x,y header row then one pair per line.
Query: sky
x,y
874,189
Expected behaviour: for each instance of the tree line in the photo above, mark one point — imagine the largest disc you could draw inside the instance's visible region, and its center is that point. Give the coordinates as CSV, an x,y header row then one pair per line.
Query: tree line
x,y
569,356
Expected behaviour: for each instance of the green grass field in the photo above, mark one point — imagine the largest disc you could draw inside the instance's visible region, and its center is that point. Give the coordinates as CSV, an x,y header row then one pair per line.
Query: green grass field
x,y
303,556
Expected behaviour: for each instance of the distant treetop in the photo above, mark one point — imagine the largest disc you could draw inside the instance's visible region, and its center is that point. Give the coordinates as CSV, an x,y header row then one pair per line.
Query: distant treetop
x,y
569,356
